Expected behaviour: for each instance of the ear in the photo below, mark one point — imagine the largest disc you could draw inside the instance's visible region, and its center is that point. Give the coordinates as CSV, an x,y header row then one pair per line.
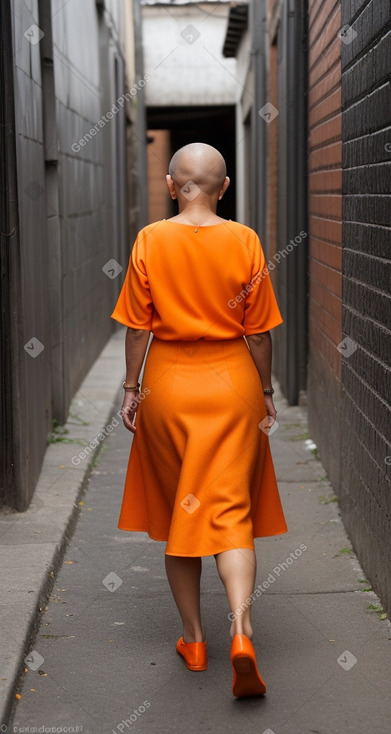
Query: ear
x,y
171,186
224,187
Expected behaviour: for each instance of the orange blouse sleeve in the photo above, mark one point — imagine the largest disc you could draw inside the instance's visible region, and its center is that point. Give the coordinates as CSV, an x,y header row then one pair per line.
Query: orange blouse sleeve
x,y
261,311
134,306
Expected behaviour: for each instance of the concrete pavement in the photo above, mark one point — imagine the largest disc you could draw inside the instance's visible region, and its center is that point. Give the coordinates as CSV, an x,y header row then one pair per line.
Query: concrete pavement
x,y
101,655
32,543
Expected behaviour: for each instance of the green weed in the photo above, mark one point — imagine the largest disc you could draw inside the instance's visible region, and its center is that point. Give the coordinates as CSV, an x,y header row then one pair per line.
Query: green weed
x,y
327,500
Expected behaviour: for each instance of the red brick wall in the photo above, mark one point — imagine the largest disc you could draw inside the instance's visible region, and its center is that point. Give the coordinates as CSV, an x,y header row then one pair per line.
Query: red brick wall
x,y
364,492
325,230
325,180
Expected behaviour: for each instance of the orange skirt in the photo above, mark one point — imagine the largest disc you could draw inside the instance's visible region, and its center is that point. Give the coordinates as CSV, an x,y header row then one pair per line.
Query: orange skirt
x,y
200,472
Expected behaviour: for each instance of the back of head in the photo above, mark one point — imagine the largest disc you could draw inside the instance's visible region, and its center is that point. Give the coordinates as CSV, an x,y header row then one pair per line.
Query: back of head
x,y
200,163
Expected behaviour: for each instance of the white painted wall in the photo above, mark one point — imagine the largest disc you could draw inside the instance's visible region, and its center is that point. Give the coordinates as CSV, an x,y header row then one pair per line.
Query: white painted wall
x,y
192,70
243,105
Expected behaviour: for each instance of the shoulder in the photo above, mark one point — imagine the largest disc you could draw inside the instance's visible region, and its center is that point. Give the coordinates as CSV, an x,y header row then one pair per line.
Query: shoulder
x,y
247,238
242,231
234,225
149,230
145,237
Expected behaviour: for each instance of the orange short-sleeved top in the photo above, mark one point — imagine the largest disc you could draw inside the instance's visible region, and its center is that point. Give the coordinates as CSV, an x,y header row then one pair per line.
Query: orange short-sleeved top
x,y
211,284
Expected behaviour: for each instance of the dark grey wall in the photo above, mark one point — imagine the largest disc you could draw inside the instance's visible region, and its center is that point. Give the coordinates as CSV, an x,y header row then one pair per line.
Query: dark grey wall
x,y
72,213
30,289
290,340
365,490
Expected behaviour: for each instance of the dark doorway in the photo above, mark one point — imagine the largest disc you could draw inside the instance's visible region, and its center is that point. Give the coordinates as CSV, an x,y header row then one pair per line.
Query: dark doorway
x,y
212,125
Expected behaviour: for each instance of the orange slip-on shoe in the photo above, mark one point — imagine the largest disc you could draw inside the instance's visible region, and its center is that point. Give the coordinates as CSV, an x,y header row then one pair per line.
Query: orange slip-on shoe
x,y
194,654
247,680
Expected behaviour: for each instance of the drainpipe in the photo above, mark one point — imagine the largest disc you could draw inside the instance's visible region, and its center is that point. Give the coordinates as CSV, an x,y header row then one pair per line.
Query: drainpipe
x,y
141,118
302,197
291,203
296,200
258,24
10,270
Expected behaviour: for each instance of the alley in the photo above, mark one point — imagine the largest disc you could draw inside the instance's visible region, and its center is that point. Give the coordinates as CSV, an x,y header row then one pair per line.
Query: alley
x,y
107,639
97,98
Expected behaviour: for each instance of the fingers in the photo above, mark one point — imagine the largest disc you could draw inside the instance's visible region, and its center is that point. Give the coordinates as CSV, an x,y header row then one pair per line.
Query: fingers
x,y
270,410
272,420
129,423
128,415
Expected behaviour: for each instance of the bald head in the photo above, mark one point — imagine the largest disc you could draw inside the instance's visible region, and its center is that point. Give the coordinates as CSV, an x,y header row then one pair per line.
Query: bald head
x,y
200,163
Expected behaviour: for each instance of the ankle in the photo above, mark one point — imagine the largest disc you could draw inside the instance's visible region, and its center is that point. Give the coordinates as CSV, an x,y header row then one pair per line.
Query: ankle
x,y
193,634
241,627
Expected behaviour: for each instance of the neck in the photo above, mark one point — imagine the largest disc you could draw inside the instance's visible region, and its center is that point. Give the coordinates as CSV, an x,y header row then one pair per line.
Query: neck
x,y
197,213
197,210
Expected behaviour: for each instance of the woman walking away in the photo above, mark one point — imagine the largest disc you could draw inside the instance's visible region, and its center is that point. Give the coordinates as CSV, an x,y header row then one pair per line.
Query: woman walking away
x,y
200,473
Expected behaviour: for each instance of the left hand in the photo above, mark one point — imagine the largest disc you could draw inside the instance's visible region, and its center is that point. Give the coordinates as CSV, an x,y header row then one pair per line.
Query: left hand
x,y
270,409
129,409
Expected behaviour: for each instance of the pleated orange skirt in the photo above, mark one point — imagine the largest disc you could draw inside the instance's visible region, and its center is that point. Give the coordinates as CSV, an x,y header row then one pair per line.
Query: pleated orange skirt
x,y
200,473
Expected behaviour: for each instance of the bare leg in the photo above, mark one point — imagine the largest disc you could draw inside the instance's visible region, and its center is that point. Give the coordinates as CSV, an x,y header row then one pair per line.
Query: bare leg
x,y
184,575
237,570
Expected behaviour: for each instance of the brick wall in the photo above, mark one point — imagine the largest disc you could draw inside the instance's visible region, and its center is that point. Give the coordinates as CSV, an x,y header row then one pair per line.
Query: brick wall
x,y
159,155
325,229
365,491
349,152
